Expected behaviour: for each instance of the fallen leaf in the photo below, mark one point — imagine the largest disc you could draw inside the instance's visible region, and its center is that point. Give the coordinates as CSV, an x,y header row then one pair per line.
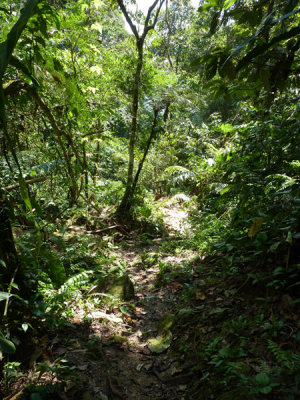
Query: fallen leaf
x,y
182,388
174,286
256,226
76,344
83,367
60,351
148,366
200,296
139,367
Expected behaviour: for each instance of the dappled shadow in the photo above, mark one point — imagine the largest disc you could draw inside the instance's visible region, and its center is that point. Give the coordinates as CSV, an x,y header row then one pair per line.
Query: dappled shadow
x,y
106,349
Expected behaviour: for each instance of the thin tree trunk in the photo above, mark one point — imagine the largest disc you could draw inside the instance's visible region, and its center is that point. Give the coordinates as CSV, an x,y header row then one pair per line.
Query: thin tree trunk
x,y
59,135
150,139
8,253
96,163
123,210
127,198
86,175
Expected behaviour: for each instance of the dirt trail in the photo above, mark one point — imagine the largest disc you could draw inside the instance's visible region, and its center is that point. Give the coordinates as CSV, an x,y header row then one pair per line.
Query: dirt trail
x,y
111,352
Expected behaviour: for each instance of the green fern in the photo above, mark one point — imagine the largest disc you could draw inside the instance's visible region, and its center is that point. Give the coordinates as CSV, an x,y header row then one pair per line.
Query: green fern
x,y
285,358
178,174
44,391
67,290
280,181
296,361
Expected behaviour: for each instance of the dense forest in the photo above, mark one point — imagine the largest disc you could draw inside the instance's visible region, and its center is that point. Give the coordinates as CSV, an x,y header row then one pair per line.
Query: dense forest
x,y
149,200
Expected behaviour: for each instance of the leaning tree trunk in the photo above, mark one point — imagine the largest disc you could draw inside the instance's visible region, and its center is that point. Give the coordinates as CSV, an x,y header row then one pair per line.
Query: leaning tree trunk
x,y
8,253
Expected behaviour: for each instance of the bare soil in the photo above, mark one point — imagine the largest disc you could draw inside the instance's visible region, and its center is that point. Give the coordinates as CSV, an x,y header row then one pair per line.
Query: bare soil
x,y
109,350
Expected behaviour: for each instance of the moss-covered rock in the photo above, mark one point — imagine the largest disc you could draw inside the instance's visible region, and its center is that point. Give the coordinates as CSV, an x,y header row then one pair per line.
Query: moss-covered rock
x,y
123,288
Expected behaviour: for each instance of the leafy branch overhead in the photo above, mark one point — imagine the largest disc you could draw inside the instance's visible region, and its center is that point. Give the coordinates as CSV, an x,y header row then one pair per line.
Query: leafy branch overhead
x,y
270,48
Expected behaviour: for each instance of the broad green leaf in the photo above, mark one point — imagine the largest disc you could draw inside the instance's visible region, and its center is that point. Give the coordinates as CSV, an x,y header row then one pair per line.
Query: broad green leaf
x,y
264,47
214,23
219,310
6,346
289,238
267,22
160,343
24,193
84,7
262,379
226,128
225,190
7,47
4,296
206,6
146,212
227,69
274,247
124,310
228,3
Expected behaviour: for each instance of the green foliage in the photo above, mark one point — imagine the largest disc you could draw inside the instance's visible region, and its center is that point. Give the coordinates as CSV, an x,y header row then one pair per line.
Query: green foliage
x,y
69,289
6,346
11,372
224,81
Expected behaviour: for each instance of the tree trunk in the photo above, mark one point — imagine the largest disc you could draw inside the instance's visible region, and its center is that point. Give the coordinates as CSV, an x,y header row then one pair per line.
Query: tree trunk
x,y
150,139
8,253
124,207
74,190
123,211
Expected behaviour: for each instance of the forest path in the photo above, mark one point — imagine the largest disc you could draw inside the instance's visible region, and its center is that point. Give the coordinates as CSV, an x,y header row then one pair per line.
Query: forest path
x,y
112,352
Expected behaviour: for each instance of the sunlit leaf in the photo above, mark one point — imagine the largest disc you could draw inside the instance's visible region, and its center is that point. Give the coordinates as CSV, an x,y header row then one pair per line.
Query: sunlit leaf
x,y
24,193
228,3
4,296
160,343
256,226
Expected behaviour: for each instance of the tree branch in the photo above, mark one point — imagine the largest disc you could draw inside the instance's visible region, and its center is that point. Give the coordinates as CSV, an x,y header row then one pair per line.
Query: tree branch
x,y
28,182
147,28
128,19
60,133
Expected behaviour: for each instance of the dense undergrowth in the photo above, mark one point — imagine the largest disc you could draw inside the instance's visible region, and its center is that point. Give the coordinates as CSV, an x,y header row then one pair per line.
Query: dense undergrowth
x,y
215,120
237,311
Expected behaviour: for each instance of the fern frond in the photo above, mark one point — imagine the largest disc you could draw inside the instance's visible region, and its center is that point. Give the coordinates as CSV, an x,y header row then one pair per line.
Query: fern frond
x,y
284,358
178,173
280,181
70,286
296,362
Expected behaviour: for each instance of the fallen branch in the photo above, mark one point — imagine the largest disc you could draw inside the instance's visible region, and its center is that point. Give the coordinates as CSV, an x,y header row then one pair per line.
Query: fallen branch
x,y
28,182
108,228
